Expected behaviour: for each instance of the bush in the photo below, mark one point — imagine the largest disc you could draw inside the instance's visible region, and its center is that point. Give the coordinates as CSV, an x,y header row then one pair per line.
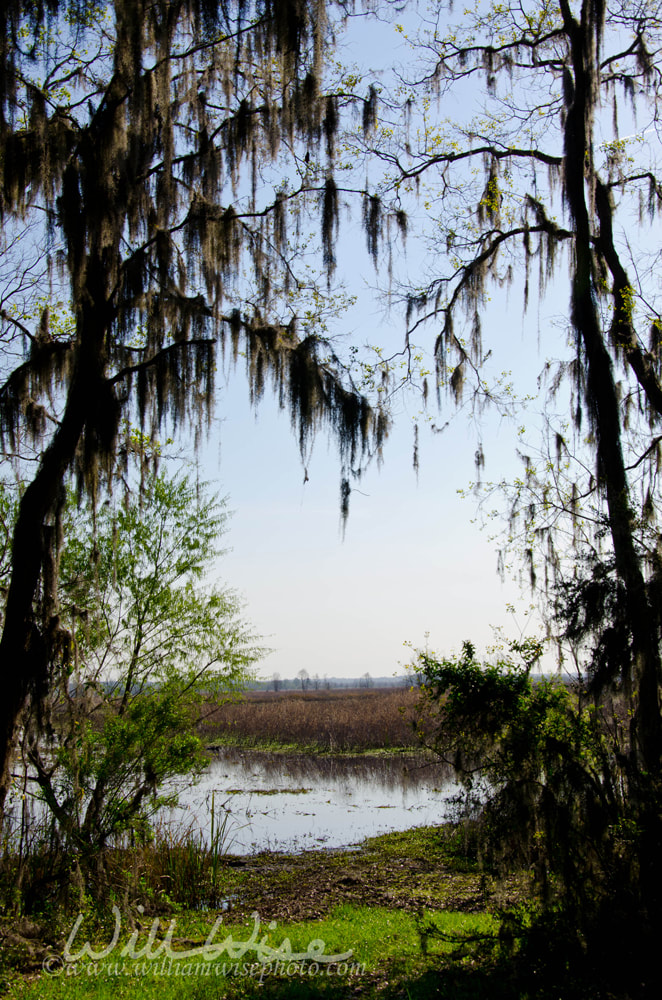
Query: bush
x,y
548,779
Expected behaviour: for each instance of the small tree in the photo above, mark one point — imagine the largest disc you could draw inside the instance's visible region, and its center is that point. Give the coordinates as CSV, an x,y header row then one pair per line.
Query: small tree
x,y
152,646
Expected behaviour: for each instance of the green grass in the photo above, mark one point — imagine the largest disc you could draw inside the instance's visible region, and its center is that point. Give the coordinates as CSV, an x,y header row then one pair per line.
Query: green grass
x,y
412,907
268,791
396,903
433,844
384,943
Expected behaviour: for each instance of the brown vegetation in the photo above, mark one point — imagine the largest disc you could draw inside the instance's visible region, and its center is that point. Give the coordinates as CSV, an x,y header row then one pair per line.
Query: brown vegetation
x,y
333,720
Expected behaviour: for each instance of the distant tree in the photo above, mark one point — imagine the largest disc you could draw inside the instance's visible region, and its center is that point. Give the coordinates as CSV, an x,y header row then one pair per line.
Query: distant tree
x,y
136,141
275,680
304,677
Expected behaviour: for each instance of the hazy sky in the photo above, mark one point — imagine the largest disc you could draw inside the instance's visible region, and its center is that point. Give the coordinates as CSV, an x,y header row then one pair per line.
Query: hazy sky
x,y
413,560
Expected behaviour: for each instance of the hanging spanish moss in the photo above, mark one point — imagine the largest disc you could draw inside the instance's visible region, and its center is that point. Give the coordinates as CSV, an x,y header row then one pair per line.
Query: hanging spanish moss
x,y
533,181
142,133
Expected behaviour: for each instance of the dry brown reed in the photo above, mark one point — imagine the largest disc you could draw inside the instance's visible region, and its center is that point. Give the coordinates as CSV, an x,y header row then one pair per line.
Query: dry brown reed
x,y
331,720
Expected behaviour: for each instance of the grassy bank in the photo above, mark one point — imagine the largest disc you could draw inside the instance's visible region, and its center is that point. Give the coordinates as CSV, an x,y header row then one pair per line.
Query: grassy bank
x,y
411,908
386,959
335,721
419,918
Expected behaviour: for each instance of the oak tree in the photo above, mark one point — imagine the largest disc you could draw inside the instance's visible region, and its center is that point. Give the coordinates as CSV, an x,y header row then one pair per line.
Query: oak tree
x,y
137,139
556,173
549,177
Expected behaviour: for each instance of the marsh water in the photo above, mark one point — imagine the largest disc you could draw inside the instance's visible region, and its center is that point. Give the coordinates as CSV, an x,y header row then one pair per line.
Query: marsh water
x,y
287,802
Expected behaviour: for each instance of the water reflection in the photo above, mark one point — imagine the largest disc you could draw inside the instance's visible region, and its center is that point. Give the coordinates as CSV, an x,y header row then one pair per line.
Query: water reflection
x,y
293,802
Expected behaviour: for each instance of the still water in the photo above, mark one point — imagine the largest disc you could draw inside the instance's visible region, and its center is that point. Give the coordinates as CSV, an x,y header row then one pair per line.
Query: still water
x,y
290,803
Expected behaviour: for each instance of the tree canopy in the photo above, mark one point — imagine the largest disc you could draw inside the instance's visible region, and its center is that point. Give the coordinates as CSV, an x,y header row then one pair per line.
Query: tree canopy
x,y
144,225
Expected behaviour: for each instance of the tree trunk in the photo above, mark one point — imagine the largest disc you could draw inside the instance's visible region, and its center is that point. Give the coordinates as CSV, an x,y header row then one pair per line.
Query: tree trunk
x,y
25,646
30,634
602,399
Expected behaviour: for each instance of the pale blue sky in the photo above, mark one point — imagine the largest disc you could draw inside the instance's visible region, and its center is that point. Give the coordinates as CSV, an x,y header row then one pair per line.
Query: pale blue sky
x,y
411,560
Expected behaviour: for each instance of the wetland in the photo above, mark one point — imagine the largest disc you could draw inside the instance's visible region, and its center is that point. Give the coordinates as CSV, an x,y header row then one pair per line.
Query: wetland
x,y
289,801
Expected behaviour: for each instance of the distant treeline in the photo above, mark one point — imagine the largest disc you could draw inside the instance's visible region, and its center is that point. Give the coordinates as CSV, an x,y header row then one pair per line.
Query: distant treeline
x,y
315,682
305,681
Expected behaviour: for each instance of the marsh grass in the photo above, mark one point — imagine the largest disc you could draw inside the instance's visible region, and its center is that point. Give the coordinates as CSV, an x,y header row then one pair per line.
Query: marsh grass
x,y
32,862
181,867
178,866
335,721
